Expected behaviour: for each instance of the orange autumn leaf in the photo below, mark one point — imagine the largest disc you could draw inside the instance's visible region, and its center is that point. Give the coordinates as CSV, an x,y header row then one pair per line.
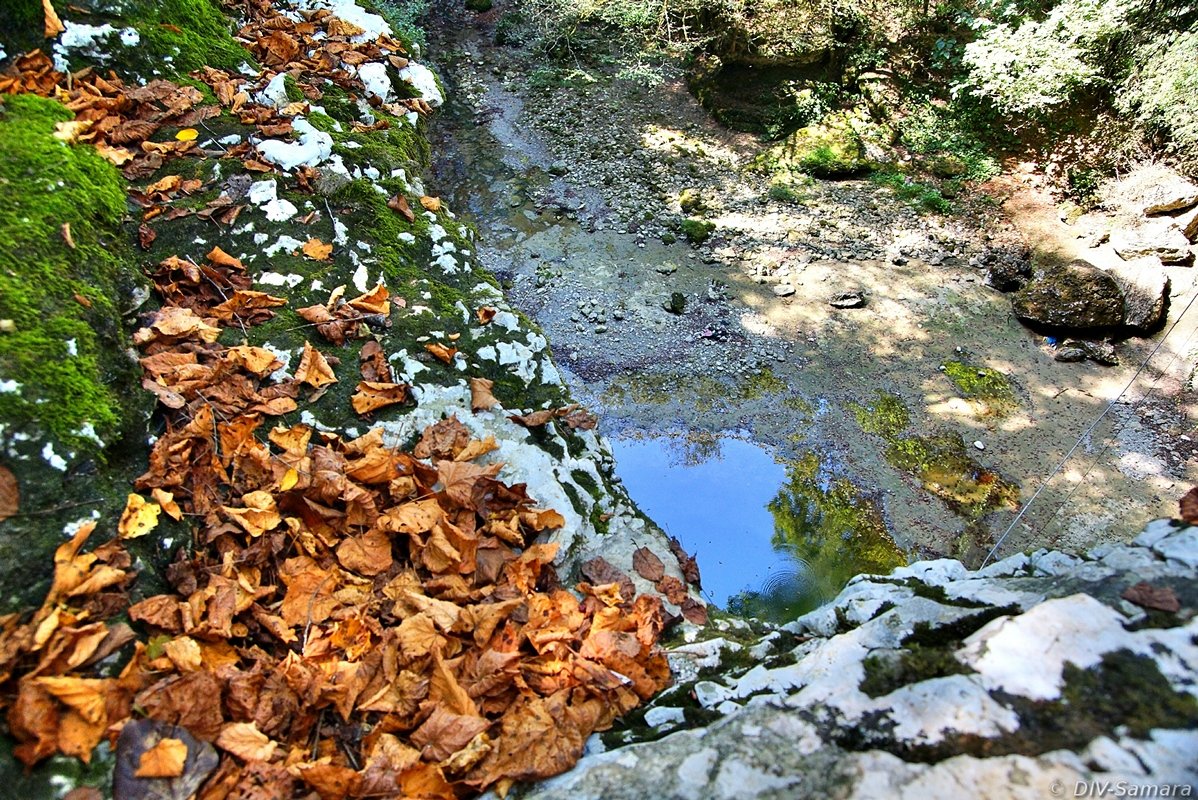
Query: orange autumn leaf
x,y
222,259
163,760
257,515
166,501
52,25
376,301
372,395
431,203
476,448
314,368
485,314
317,250
441,352
86,696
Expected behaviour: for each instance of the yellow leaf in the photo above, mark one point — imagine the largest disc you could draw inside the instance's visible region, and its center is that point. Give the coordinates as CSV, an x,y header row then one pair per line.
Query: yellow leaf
x,y
290,479
166,500
244,740
317,250
139,518
187,135
70,130
163,760
53,25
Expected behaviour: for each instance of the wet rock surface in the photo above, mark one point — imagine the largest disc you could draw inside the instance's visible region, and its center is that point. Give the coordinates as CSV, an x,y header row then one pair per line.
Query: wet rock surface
x,y
1037,671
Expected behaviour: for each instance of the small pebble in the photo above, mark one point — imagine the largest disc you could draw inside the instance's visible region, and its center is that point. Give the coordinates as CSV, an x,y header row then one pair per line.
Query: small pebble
x,y
979,445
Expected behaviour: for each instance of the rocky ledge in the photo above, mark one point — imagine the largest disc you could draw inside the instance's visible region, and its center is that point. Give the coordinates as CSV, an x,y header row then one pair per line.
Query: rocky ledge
x,y
1027,678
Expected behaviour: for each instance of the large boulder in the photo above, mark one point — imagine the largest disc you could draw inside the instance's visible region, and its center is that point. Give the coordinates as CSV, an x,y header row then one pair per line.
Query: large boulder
x,y
1073,296
1176,194
830,148
1145,290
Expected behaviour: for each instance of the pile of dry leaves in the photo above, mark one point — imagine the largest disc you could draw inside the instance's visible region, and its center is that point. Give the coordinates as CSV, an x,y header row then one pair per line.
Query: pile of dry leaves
x,y
354,620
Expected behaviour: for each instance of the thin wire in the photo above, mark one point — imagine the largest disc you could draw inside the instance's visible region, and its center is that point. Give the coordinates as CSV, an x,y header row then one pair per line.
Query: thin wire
x,y
1089,430
1110,440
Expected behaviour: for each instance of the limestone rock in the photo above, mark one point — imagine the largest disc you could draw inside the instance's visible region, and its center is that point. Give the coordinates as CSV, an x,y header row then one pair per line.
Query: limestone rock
x,y
1169,196
1075,296
1164,242
1015,680
1145,290
1188,225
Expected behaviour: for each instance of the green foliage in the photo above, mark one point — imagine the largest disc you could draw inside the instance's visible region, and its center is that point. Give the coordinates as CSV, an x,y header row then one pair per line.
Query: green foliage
x,y
45,184
1034,66
948,131
922,196
404,18
984,384
1162,91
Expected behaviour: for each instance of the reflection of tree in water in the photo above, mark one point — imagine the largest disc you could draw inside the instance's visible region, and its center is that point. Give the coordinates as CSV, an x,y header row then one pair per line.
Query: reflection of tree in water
x,y
831,531
697,447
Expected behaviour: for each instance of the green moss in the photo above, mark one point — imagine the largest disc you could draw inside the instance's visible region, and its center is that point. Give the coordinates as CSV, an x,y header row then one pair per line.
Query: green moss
x,y
831,148
941,462
760,383
922,196
586,481
292,89
176,36
60,298
886,416
697,230
991,388
887,672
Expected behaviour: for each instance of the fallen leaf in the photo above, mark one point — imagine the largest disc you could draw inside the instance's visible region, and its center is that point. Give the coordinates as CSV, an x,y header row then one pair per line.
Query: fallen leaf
x,y
187,135
317,250
1189,506
431,203
694,611
139,517
485,314
66,235
399,204
441,352
163,760
52,25
647,564
244,740
373,302
314,368
481,398
10,494
372,396
1158,598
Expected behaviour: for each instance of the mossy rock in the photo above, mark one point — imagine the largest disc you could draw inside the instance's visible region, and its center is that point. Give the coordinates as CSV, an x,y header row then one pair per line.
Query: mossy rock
x,y
697,230
772,100
691,201
831,148
1074,296
71,416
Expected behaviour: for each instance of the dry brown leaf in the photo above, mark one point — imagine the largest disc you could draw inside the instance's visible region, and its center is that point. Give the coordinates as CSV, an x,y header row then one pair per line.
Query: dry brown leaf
x,y
257,515
10,494
244,740
646,564
163,760
441,352
166,501
314,368
1189,506
372,396
432,204
399,204
1158,598
476,448
373,302
485,314
481,398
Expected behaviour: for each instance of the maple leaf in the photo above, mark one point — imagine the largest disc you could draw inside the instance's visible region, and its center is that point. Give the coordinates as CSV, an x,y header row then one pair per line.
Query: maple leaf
x,y
314,368
163,760
444,733
443,439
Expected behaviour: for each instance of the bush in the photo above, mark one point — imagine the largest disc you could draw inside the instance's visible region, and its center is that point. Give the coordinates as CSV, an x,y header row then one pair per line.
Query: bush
x,y
1162,91
945,135
1038,65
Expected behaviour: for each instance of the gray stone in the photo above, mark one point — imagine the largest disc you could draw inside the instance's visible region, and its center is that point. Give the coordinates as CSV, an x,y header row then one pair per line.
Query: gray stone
x,y
1069,355
1075,296
784,290
1159,241
1145,294
1188,225
847,299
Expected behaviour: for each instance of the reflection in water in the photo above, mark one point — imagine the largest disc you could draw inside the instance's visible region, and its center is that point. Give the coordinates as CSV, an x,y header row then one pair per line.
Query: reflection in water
x,y
773,541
